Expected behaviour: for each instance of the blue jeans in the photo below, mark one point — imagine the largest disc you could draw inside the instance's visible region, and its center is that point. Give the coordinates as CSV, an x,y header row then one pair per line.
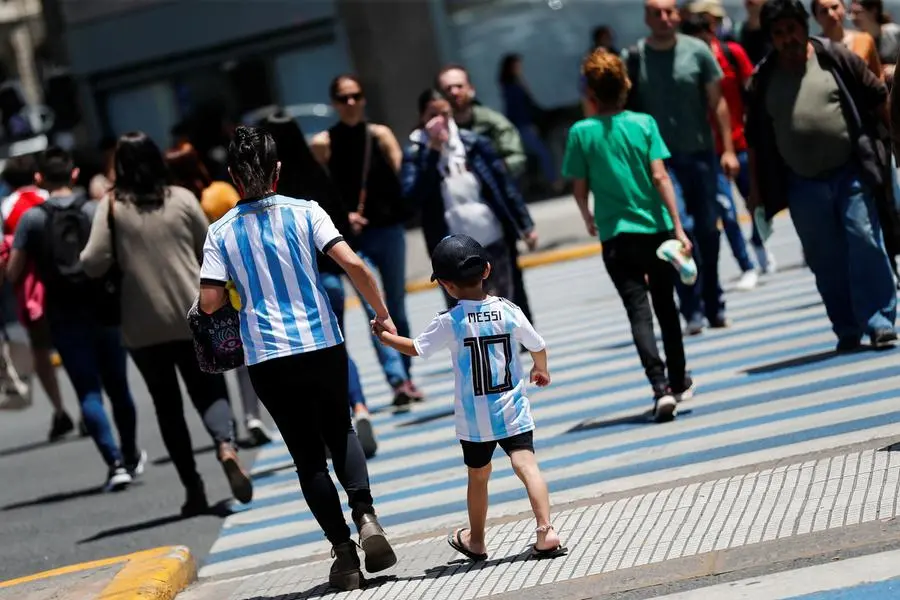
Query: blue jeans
x,y
95,360
729,216
334,287
696,187
384,250
837,222
535,146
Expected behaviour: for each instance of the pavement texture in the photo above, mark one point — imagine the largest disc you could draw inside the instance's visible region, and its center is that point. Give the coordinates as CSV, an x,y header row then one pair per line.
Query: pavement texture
x,y
783,461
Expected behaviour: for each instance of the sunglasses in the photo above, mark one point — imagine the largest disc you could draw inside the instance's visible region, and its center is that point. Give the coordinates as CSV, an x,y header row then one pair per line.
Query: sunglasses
x,y
345,99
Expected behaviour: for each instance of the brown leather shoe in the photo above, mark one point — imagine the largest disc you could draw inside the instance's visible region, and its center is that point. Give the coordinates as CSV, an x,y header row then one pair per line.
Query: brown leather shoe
x,y
240,483
374,542
345,574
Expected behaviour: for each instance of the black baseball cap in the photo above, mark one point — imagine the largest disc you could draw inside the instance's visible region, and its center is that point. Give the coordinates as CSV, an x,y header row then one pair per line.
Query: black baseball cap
x,y
458,258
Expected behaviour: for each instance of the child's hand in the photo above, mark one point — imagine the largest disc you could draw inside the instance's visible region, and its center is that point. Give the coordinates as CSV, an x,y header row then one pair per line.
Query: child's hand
x,y
682,237
540,377
377,328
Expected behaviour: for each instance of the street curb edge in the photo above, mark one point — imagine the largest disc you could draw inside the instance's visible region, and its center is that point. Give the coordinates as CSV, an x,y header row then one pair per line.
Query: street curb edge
x,y
158,574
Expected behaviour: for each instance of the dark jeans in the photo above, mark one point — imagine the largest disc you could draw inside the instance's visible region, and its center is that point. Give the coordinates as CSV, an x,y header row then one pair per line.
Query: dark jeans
x,y
306,394
695,179
728,213
520,296
384,250
634,268
208,393
334,287
95,360
837,223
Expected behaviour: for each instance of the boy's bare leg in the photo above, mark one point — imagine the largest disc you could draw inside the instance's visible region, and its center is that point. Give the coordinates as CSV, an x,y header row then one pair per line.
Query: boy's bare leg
x,y
477,502
526,468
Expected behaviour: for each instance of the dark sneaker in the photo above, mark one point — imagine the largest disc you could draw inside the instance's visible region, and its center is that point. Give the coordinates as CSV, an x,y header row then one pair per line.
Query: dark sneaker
x,y
345,574
118,478
694,327
374,542
136,467
366,434
719,323
848,344
883,337
402,400
413,392
196,502
664,408
684,391
82,429
258,432
62,425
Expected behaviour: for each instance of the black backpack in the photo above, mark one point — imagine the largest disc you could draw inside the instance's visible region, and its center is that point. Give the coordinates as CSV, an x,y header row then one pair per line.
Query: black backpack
x,y
64,237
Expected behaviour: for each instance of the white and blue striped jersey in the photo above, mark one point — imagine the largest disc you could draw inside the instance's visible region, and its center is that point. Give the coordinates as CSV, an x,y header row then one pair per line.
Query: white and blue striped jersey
x,y
267,247
491,385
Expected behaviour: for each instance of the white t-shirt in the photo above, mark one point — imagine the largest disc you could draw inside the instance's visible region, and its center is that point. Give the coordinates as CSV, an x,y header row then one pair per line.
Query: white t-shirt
x,y
268,248
491,385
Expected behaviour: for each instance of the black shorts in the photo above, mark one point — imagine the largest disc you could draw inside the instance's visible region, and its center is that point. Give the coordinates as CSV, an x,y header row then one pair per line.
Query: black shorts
x,y
39,334
479,454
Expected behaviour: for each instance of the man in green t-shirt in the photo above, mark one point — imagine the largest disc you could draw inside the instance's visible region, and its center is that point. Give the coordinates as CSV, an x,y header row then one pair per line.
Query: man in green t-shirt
x,y
676,80
619,155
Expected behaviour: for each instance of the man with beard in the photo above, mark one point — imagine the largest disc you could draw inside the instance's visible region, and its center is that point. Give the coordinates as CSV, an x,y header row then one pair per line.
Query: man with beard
x,y
814,121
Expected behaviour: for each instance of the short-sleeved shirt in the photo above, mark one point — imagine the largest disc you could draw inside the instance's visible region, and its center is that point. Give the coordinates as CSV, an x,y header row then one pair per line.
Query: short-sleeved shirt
x,y
491,384
614,154
267,247
18,203
734,81
672,88
29,238
811,132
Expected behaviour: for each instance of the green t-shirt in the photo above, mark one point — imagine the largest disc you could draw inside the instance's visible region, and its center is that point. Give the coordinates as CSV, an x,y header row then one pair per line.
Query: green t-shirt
x,y
614,153
672,88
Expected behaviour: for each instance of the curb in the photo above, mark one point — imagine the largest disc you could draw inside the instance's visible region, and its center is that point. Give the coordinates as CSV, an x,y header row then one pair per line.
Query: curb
x,y
157,574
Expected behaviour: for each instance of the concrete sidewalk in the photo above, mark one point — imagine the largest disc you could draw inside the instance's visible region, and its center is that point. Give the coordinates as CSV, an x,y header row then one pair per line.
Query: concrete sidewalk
x,y
686,531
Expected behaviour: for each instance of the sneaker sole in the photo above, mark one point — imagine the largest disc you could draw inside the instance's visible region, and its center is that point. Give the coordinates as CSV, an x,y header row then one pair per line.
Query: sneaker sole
x,y
379,554
687,394
118,483
665,410
140,467
240,483
366,434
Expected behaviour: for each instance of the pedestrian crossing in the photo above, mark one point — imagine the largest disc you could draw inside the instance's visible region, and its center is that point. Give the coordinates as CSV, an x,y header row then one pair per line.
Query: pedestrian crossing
x,y
768,387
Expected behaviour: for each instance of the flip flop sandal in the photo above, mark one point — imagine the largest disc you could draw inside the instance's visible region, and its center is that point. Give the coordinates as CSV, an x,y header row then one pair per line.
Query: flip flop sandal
x,y
549,552
455,541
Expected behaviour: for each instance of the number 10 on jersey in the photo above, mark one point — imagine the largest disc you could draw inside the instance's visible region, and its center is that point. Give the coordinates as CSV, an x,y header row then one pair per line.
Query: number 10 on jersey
x,y
482,370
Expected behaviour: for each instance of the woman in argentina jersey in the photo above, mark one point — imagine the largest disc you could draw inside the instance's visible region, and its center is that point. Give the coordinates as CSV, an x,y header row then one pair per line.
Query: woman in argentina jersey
x,y
267,246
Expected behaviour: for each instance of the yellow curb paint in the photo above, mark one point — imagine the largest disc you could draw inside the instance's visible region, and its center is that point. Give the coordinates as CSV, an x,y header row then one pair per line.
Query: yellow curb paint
x,y
538,259
157,574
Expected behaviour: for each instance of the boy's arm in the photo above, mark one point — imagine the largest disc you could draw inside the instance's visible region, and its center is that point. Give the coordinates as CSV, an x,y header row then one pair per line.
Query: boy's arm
x,y
435,337
532,340
401,344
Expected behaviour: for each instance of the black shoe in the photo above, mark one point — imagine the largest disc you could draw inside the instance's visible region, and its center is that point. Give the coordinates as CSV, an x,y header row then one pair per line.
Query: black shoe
x,y
62,425
196,503
685,390
374,542
883,337
402,401
719,323
848,344
82,429
345,574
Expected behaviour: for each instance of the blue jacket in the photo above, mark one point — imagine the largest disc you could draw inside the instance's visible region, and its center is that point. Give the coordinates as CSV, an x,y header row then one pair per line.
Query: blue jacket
x,y
421,184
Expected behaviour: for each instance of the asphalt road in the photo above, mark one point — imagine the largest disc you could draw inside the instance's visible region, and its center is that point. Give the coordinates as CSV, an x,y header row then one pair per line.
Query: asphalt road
x,y
53,512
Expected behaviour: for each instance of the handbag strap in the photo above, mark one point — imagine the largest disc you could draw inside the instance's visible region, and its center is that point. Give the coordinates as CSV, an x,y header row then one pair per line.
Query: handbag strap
x,y
367,162
111,224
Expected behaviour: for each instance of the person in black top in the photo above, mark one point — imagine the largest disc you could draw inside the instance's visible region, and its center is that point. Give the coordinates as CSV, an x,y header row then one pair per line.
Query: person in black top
x,y
750,34
363,160
303,177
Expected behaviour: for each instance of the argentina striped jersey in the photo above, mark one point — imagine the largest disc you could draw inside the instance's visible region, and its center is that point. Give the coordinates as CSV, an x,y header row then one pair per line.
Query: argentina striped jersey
x,y
267,247
491,386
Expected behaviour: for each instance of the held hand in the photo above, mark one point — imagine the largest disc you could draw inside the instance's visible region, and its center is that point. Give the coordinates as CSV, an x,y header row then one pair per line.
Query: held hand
x,y
730,165
357,222
682,237
531,240
386,324
540,377
377,328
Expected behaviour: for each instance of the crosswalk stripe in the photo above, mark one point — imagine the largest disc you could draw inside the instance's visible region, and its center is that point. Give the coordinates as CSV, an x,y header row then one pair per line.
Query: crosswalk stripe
x,y
767,387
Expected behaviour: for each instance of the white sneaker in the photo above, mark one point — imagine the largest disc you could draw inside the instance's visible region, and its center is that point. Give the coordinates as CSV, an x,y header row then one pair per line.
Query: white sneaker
x,y
137,469
118,479
665,408
747,281
259,434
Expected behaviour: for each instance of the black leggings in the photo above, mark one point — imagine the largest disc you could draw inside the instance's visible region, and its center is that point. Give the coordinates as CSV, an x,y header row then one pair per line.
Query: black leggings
x,y
208,393
306,394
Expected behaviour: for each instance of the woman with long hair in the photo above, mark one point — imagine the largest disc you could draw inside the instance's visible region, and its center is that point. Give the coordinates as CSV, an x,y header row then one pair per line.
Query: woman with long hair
x,y
831,16
216,198
292,343
303,177
363,160
869,16
154,233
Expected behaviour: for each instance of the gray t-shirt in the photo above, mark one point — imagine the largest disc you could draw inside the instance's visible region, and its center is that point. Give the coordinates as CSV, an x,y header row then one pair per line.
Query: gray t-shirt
x,y
811,132
29,239
672,89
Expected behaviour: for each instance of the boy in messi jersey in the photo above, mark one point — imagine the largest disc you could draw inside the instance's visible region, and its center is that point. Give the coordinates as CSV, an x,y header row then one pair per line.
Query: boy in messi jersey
x,y
482,333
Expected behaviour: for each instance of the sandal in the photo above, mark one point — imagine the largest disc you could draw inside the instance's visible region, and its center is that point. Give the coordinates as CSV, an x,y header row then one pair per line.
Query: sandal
x,y
455,541
538,553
